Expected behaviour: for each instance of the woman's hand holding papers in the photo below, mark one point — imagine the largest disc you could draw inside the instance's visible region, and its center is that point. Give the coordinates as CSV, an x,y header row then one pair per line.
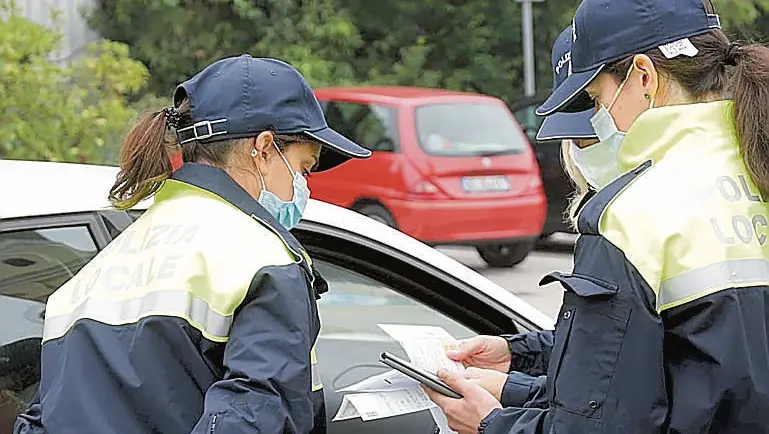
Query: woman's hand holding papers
x,y
485,352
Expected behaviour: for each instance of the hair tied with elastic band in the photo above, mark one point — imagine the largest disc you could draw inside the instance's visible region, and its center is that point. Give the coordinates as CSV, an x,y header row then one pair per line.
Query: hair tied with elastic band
x,y
173,117
730,59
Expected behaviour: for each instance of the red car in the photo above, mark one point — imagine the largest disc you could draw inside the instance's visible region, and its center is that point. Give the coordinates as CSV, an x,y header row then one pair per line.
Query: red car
x,y
447,168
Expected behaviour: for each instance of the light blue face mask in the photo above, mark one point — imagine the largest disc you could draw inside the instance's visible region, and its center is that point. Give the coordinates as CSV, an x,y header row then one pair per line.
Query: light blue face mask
x,y
599,163
287,213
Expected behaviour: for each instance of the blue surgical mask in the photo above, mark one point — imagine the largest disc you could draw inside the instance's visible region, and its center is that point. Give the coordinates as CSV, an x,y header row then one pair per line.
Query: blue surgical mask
x,y
287,213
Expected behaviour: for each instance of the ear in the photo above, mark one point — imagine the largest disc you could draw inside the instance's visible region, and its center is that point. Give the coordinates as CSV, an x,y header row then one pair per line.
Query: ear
x,y
648,74
260,151
263,144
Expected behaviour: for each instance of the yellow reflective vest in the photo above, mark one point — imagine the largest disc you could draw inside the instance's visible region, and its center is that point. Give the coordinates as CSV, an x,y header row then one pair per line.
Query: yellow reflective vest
x,y
200,317
665,319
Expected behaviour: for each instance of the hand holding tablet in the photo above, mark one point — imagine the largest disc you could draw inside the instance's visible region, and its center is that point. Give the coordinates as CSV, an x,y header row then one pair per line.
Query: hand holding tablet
x,y
428,379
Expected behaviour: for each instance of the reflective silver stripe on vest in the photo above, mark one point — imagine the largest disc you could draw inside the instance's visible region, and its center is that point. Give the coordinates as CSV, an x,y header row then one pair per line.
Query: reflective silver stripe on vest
x,y
182,304
316,383
712,278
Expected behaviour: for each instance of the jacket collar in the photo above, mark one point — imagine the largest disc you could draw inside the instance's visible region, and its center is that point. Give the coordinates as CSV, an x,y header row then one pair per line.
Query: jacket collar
x,y
658,130
218,182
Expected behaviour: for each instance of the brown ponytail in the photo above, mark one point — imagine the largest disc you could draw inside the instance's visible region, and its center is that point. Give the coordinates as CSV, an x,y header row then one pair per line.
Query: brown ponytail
x,y
144,162
750,93
144,156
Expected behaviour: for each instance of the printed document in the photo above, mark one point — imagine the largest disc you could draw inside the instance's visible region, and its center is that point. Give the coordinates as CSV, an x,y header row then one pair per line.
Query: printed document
x,y
378,405
425,345
386,382
393,393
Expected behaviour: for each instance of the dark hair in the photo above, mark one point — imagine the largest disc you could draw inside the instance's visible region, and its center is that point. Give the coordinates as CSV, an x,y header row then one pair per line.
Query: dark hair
x,y
145,155
706,74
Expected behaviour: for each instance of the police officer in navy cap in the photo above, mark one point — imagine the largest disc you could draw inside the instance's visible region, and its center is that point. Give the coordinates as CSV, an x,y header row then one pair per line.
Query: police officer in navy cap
x,y
200,317
664,325
573,129
512,383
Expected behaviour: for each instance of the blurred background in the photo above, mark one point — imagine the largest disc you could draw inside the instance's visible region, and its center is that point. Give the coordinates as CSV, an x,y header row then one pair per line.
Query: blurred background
x,y
442,91
74,72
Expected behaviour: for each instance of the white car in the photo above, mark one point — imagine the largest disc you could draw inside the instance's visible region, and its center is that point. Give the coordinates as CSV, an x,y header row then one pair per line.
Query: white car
x,y
54,217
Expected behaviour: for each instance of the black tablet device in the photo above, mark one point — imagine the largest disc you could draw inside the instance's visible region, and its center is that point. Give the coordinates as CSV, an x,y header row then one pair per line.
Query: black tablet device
x,y
428,379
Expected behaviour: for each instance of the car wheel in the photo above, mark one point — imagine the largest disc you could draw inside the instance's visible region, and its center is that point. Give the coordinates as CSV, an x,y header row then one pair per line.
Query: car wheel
x,y
378,213
505,255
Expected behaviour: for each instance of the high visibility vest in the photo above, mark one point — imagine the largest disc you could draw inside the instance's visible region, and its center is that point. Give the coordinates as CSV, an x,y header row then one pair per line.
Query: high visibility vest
x,y
180,276
150,270
705,225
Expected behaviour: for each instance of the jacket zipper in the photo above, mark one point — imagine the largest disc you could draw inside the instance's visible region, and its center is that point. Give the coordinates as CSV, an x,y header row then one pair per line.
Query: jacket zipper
x,y
213,424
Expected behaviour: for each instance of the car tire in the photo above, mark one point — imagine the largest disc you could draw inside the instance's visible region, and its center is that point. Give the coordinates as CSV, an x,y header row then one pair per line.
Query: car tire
x,y
505,255
378,213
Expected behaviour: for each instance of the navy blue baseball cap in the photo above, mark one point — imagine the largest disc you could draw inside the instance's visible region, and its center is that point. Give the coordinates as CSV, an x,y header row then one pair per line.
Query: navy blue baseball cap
x,y
559,126
605,31
239,97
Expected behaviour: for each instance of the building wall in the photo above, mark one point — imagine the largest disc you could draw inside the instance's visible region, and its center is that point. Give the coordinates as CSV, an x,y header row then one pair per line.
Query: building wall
x,y
76,34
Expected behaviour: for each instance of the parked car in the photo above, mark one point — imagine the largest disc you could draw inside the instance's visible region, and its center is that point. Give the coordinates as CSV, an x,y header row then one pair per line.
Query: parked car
x,y
447,168
557,185
59,220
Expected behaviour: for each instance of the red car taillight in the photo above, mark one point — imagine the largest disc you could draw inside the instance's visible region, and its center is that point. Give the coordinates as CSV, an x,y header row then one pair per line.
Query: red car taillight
x,y
423,187
425,190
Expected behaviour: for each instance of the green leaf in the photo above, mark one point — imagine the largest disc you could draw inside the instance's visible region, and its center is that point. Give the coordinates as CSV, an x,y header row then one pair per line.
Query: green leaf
x,y
75,112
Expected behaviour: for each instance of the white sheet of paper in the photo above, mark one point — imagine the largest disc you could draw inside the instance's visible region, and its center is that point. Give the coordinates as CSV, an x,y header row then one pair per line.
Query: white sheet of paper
x,y
346,410
392,393
379,405
385,382
440,420
425,345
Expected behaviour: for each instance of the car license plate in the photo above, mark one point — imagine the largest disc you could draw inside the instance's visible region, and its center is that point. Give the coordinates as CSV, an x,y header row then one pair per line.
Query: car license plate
x,y
476,184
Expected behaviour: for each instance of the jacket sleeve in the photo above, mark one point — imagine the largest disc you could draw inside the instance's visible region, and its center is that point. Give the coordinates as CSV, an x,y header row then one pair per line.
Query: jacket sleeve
x,y
517,420
605,376
521,390
267,385
530,351
31,421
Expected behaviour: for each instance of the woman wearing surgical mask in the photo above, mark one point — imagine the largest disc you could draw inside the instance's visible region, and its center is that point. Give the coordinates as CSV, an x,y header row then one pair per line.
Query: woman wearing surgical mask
x,y
512,367
665,317
200,317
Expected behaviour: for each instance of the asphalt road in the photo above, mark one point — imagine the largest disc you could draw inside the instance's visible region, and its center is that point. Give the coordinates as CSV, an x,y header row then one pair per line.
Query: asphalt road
x,y
522,280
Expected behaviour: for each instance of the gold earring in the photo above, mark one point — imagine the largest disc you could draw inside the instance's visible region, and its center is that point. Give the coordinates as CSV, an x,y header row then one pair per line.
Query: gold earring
x,y
647,96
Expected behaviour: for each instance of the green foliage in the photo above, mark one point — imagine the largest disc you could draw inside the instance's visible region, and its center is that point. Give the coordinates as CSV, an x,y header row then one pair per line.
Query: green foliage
x,y
73,112
472,45
55,112
466,45
739,15
177,38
